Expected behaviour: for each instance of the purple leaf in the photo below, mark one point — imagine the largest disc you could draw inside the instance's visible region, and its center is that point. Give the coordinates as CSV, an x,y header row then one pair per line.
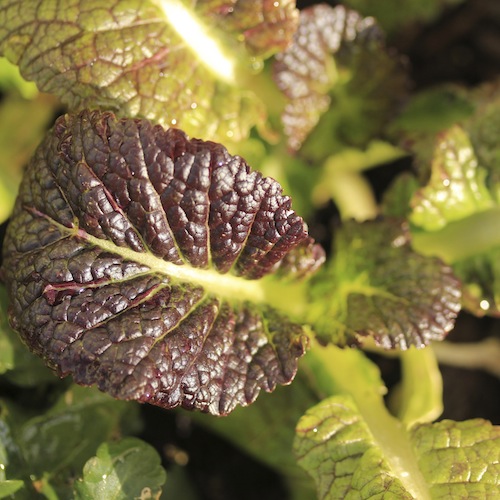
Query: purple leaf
x,y
132,261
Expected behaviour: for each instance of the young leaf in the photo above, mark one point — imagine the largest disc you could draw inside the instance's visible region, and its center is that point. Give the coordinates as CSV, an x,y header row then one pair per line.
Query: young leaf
x,y
345,457
132,260
337,62
457,185
159,59
127,469
461,198
377,287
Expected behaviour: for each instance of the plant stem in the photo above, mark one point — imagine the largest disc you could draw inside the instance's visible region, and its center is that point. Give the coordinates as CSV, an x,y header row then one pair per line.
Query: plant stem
x,y
348,371
482,232
483,355
420,395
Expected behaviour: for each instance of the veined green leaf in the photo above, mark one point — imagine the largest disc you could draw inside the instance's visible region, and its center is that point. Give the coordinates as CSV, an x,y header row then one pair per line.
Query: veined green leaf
x,y
175,62
129,468
354,448
133,261
67,435
455,459
457,187
377,289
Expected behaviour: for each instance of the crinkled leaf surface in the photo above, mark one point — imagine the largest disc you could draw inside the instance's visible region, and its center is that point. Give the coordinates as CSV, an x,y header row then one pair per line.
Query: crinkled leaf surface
x,y
456,214
346,458
457,187
132,262
17,364
377,287
129,468
339,77
137,58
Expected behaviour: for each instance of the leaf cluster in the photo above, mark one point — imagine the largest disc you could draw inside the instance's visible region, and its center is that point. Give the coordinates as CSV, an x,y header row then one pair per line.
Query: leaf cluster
x,y
153,254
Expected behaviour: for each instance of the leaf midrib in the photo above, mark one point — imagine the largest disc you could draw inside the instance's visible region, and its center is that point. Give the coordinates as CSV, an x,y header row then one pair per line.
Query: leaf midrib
x,y
222,285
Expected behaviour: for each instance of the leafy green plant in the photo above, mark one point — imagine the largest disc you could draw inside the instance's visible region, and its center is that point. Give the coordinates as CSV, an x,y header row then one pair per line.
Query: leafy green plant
x,y
152,254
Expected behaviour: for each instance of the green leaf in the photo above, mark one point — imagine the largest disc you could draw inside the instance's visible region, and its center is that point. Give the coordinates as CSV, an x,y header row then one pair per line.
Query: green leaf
x,y
456,215
141,261
354,448
336,447
126,469
433,110
482,128
342,83
459,459
457,187
63,438
9,487
377,289
167,60
396,198
11,80
450,459
480,275
22,125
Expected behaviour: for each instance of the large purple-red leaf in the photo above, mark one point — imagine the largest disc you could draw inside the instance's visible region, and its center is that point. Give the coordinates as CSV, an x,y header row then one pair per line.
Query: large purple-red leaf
x,y
132,262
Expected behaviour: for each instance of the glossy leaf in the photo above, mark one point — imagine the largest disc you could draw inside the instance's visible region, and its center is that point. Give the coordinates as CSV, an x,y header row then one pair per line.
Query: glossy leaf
x,y
126,469
377,289
132,262
170,62
457,187
461,198
339,77
346,457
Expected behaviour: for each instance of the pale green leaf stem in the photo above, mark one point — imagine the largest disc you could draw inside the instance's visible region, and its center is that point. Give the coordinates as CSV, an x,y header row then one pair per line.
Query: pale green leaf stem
x,y
348,371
